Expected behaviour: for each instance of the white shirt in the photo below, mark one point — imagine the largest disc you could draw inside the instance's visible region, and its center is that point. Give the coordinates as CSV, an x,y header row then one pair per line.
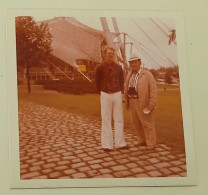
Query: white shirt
x,y
133,80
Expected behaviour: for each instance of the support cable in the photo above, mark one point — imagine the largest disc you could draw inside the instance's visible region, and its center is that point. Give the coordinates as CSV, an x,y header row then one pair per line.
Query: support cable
x,y
147,56
135,41
165,33
153,42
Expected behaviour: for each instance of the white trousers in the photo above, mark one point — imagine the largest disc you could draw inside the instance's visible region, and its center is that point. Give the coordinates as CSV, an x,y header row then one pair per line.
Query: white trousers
x,y
112,104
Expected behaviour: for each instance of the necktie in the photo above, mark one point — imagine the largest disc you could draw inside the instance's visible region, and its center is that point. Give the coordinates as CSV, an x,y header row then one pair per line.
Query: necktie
x,y
132,80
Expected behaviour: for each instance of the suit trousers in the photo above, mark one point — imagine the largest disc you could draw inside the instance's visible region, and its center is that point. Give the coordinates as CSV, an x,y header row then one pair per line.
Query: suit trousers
x,y
143,123
111,104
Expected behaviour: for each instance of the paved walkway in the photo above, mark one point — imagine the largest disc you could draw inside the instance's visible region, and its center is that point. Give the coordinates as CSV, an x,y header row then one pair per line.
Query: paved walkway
x,y
57,144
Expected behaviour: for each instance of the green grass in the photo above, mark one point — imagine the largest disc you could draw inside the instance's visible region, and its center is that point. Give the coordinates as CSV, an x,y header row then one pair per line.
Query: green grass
x,y
87,105
166,86
168,119
168,115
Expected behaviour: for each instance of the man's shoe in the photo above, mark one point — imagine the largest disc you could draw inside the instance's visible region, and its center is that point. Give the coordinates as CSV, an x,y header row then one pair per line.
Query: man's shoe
x,y
106,149
123,148
140,144
150,147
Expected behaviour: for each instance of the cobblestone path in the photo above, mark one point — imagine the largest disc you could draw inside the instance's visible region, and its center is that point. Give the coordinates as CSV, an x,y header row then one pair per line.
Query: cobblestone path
x,y
58,144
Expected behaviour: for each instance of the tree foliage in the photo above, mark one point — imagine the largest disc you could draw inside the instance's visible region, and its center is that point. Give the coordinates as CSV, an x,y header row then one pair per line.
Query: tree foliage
x,y
168,78
33,41
154,73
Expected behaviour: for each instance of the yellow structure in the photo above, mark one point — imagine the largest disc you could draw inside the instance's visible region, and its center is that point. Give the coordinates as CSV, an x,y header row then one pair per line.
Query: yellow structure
x,y
82,68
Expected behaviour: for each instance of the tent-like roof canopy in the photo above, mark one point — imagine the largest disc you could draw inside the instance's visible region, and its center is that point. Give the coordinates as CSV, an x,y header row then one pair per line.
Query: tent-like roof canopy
x,y
72,40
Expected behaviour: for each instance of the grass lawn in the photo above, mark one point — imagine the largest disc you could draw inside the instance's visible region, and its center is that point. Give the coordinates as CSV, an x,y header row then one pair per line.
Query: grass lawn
x,y
168,115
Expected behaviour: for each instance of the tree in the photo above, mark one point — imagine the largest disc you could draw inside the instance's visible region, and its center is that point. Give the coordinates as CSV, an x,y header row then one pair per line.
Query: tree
x,y
154,73
172,36
168,78
33,43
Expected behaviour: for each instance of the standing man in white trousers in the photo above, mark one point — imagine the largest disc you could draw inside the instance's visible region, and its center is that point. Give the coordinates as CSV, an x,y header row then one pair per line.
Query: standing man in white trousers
x,y
109,80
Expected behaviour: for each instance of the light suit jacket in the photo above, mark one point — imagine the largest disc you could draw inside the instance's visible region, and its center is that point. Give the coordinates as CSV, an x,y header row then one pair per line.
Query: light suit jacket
x,y
146,89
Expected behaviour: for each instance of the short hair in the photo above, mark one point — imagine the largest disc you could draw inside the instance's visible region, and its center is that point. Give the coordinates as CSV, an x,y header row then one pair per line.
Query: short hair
x,y
108,48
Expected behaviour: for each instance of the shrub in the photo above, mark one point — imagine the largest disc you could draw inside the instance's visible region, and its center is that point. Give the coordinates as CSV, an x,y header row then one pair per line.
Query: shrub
x,y
69,86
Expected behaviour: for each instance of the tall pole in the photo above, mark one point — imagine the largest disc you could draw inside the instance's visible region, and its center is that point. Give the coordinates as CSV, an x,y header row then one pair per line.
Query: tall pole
x,y
106,31
123,46
107,34
124,58
118,39
131,48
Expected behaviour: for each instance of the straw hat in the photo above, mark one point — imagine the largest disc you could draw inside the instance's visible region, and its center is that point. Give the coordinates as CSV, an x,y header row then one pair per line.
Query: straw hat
x,y
134,57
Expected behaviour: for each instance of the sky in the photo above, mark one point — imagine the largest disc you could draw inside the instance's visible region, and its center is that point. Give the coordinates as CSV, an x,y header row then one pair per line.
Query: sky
x,y
148,35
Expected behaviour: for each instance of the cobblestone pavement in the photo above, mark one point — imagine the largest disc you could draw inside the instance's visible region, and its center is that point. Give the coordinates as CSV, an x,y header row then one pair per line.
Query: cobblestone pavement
x,y
58,144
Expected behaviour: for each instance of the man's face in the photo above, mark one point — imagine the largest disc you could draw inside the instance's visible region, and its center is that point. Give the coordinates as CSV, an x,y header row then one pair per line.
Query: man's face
x,y
109,56
135,65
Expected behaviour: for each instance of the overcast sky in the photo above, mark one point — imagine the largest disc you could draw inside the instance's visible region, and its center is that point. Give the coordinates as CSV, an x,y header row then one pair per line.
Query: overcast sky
x,y
149,37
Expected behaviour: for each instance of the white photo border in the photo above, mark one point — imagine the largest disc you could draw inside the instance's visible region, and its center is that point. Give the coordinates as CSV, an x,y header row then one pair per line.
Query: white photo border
x,y
16,182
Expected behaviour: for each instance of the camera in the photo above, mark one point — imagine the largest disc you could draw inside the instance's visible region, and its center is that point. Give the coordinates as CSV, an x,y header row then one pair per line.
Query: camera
x,y
132,93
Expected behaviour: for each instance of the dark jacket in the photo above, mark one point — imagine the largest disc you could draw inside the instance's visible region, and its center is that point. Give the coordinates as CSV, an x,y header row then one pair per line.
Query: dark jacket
x,y
109,80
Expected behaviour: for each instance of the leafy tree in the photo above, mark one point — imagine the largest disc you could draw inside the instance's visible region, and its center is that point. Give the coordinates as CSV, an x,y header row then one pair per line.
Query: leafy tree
x,y
172,36
154,73
168,78
33,43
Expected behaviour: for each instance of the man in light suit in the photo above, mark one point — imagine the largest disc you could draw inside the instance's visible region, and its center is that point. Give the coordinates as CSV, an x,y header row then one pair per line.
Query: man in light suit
x,y
140,94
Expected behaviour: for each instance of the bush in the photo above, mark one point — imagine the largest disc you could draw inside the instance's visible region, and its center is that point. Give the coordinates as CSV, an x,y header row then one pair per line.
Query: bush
x,y
69,86
168,78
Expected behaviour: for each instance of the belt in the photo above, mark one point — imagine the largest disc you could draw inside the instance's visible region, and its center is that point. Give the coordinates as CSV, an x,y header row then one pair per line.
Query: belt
x,y
110,92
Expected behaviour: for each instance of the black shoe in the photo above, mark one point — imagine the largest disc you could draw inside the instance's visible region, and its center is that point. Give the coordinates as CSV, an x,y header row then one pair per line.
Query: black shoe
x,y
150,147
106,149
140,144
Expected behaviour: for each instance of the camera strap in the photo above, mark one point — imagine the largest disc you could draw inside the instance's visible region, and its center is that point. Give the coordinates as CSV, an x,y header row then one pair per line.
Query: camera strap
x,y
134,80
